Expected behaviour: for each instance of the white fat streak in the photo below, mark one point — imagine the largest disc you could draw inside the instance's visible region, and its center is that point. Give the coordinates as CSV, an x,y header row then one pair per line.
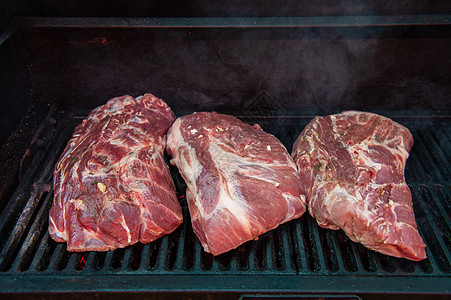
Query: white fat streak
x,y
291,199
362,154
189,171
231,163
228,164
60,234
193,131
124,224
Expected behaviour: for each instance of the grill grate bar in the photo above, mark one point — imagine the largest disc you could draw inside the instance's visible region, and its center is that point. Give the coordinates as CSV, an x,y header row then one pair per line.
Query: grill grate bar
x,y
435,153
144,263
329,251
436,218
89,262
42,253
107,262
299,247
423,156
335,247
56,258
368,259
441,254
443,200
18,215
440,212
355,254
441,141
22,225
26,252
318,263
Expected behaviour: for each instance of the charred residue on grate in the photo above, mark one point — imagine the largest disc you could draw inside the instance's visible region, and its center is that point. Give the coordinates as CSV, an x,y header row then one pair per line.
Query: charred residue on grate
x,y
36,232
25,215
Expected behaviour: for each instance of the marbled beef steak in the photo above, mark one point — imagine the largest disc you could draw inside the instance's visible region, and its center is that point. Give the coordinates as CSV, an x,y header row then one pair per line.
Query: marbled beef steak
x,y
112,186
241,180
352,166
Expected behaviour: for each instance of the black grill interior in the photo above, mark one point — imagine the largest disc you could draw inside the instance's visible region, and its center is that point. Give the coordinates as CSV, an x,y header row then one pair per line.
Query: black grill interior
x,y
61,69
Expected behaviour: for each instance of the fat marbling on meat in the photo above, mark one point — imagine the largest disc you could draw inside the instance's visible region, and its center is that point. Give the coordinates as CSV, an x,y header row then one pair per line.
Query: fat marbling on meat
x,y
241,181
112,186
352,165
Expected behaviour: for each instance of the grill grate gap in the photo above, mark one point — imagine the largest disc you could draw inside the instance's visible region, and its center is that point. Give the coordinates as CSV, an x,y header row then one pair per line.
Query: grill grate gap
x,y
311,252
260,262
345,245
136,255
330,257
404,265
367,258
173,241
243,257
277,249
47,253
385,263
426,266
444,199
63,259
224,260
206,260
439,220
80,261
117,258
21,229
425,159
154,253
188,247
442,141
99,260
440,163
295,252
35,234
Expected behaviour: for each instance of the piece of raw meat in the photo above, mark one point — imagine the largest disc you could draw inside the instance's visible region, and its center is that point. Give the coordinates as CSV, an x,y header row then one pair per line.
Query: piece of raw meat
x,y
352,166
112,186
241,180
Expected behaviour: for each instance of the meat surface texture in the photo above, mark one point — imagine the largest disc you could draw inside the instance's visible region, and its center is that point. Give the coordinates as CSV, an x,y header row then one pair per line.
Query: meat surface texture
x,y
241,181
112,186
352,165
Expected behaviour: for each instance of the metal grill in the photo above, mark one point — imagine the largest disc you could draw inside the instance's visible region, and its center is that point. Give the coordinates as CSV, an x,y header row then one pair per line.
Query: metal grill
x,y
298,256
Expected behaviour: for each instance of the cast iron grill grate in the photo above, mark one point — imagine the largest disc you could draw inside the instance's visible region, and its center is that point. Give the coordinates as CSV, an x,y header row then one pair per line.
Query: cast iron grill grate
x,y
298,248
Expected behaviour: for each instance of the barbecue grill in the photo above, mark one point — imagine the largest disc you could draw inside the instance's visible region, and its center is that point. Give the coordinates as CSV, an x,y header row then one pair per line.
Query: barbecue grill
x,y
278,72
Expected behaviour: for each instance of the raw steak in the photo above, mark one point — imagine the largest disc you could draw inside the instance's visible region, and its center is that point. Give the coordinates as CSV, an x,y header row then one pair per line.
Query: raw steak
x,y
352,165
241,180
112,185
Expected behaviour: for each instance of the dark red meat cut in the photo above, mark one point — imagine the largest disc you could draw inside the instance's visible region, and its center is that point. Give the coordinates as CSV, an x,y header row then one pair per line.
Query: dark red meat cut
x,y
241,181
112,186
352,165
